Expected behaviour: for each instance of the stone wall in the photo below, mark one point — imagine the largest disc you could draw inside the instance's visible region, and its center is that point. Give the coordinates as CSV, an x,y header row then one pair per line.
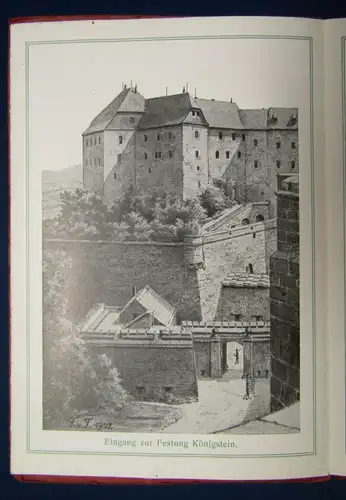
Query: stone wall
x,y
232,251
163,174
154,372
284,301
257,360
248,302
106,271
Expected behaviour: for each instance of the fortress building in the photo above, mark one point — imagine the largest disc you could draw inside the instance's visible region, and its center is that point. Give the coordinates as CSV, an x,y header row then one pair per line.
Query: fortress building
x,y
179,144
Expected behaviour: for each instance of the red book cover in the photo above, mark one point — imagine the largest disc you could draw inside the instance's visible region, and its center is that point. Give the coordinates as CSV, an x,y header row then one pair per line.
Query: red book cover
x,y
237,339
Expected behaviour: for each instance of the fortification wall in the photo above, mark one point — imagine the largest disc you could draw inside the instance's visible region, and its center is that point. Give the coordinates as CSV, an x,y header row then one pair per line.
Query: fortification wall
x,y
187,275
154,372
106,271
232,251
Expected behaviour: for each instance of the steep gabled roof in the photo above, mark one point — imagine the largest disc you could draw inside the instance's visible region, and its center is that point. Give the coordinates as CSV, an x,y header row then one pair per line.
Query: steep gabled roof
x,y
165,111
253,118
220,114
128,100
272,118
285,118
155,304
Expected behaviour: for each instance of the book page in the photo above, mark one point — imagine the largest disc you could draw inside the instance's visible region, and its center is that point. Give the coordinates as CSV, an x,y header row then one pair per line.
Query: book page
x,y
335,109
168,251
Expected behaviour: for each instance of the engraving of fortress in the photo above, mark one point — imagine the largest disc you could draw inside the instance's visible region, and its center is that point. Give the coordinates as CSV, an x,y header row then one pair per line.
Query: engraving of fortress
x,y
232,286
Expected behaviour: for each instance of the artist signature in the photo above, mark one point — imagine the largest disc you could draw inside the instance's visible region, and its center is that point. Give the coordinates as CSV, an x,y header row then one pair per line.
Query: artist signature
x,y
89,423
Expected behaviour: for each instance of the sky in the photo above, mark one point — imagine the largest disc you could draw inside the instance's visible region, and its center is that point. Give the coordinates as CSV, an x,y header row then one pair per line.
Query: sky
x,y
71,83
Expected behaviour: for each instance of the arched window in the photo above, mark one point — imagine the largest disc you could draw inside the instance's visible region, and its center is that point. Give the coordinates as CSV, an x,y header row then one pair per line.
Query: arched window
x,y
227,155
259,218
250,268
217,154
245,222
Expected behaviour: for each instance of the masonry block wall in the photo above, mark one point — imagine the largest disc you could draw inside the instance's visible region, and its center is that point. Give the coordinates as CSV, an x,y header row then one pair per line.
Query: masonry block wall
x,y
257,359
284,299
159,160
231,252
249,303
105,272
154,371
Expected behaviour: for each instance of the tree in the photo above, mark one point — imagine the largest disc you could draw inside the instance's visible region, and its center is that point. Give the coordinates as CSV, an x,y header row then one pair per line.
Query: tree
x,y
214,200
73,377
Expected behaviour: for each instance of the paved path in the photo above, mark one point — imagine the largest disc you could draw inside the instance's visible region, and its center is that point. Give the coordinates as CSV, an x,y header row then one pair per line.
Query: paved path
x,y
220,406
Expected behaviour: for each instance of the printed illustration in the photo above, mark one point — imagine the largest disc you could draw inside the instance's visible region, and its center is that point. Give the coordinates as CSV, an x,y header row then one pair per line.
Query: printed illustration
x,y
171,270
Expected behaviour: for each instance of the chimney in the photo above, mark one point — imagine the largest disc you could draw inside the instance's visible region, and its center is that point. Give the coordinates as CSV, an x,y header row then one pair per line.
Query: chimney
x,y
136,89
183,90
187,86
134,291
166,90
195,93
231,99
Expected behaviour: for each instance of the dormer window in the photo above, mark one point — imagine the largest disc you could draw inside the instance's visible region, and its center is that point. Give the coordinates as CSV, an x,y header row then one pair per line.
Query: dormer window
x,y
196,134
132,120
145,137
292,121
193,113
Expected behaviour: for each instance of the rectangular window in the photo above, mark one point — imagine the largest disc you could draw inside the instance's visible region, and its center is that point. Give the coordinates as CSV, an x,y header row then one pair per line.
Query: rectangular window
x,y
132,120
255,142
197,154
278,145
198,168
227,155
193,113
158,155
256,164
239,154
256,318
243,137
95,141
293,164
145,156
236,317
170,135
278,163
99,140
170,154
233,136
220,135
121,139
196,134
158,137
99,161
119,158
145,137
293,145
